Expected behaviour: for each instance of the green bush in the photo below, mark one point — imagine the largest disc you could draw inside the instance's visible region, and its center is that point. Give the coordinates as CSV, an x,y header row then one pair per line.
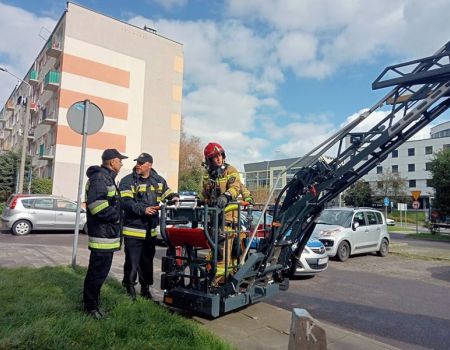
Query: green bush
x,y
41,185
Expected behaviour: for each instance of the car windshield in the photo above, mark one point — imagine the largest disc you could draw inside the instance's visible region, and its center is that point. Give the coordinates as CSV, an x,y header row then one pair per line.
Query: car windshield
x,y
336,217
187,193
256,214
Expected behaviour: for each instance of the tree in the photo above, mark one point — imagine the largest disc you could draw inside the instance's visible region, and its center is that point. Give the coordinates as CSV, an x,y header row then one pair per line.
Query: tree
x,y
9,169
440,168
9,164
392,185
359,195
41,185
191,158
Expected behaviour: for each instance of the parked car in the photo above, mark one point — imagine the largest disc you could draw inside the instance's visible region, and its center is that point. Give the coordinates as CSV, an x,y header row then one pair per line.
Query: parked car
x,y
188,199
348,231
312,260
390,222
26,212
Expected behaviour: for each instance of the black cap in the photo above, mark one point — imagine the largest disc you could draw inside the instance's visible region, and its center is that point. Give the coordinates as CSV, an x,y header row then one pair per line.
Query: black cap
x,y
144,157
112,153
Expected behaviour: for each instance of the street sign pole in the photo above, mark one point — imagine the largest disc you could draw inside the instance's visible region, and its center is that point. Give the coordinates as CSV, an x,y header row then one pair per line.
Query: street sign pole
x,y
417,222
80,183
85,118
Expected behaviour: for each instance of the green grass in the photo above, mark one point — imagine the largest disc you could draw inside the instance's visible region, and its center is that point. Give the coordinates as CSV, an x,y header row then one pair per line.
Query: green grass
x,y
398,229
410,216
41,309
434,237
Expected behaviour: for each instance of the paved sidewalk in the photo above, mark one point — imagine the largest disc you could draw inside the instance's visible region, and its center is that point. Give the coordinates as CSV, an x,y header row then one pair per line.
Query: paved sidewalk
x,y
259,326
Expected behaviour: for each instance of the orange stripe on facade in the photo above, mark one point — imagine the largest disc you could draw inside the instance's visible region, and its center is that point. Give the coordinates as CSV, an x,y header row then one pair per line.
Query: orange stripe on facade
x,y
110,108
94,70
101,140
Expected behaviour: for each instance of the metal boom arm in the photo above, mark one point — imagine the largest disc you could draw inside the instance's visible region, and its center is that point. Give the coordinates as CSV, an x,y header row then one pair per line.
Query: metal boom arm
x,y
419,96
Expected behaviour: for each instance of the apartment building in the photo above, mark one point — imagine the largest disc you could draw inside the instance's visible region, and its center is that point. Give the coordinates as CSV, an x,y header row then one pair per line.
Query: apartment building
x,y
133,74
412,162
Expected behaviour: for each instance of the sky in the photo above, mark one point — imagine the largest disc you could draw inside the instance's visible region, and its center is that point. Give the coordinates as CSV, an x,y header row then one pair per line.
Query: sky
x,y
267,79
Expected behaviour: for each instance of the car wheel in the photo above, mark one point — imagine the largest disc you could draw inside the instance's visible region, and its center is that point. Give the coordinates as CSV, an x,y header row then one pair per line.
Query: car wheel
x,y
21,227
384,248
343,251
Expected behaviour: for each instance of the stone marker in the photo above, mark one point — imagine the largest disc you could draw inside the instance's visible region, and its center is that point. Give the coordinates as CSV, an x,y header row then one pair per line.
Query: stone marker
x,y
305,333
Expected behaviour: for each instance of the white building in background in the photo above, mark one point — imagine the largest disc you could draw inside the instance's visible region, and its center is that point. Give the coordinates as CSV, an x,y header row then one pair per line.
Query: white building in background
x,y
134,75
412,160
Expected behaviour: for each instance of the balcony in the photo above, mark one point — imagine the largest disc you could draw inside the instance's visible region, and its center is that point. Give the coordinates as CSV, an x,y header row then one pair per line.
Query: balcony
x,y
33,107
54,48
46,153
10,105
51,80
8,127
30,135
33,77
48,118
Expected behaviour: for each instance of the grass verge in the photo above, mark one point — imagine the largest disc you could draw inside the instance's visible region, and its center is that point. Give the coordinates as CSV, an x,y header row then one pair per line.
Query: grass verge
x,y
41,309
428,236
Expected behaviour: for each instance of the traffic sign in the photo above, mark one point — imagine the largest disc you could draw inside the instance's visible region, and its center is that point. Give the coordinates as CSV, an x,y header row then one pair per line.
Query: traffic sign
x,y
415,194
386,201
416,204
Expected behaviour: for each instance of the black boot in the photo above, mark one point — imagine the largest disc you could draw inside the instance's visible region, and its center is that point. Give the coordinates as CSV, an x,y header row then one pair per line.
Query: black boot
x,y
131,292
145,292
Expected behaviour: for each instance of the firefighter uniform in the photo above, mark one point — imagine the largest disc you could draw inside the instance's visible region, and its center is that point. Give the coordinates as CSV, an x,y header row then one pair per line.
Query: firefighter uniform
x,y
104,226
139,230
222,181
246,194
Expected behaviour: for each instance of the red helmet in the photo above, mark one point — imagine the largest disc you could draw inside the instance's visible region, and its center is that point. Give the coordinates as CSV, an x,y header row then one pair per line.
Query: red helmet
x,y
212,149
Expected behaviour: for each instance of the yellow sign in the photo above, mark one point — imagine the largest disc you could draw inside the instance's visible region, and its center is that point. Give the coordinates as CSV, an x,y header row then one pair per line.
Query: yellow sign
x,y
415,194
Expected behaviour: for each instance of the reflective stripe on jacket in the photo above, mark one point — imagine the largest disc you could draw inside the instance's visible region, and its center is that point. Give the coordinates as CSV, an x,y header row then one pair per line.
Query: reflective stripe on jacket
x,y
103,209
217,183
137,194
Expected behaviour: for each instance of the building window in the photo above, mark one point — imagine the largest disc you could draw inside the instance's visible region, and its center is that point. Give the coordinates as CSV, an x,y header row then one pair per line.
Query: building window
x,y
379,170
395,153
380,185
412,183
446,147
411,167
411,152
395,168
428,166
428,149
429,182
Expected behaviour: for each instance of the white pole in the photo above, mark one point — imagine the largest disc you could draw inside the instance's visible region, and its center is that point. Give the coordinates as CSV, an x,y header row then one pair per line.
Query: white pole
x,y
80,183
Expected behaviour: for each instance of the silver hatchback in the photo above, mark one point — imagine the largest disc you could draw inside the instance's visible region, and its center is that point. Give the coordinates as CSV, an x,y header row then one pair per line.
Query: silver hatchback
x,y
26,212
347,231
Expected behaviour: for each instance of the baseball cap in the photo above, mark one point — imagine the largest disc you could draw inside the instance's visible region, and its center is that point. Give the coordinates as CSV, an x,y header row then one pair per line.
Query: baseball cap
x,y
112,153
144,157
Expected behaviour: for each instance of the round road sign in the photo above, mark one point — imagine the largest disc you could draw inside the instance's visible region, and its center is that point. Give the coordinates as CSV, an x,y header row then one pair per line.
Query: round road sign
x,y
75,117
416,204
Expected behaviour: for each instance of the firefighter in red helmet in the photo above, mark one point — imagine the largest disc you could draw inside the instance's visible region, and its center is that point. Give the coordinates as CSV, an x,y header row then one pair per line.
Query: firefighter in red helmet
x,y
221,184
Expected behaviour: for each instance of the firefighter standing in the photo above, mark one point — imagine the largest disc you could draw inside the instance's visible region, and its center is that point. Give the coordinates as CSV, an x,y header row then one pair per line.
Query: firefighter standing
x,y
104,216
141,192
221,184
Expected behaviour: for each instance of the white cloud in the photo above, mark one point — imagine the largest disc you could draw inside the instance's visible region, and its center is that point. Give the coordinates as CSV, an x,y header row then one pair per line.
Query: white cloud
x,y
170,4
20,43
348,32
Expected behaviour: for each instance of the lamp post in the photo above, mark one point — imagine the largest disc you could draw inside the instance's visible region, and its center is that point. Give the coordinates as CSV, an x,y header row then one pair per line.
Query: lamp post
x,y
25,131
